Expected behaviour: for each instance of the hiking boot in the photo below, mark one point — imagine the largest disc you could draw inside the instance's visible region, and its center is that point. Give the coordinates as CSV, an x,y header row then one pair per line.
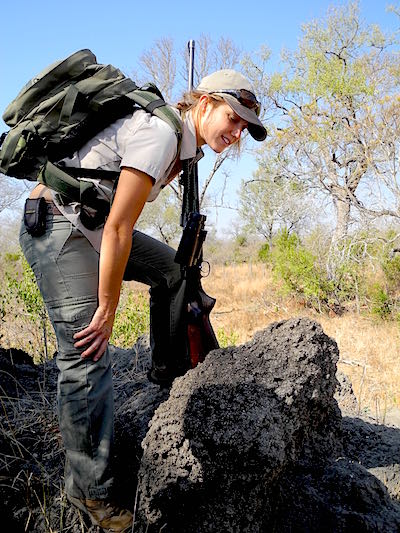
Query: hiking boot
x,y
161,378
164,377
105,514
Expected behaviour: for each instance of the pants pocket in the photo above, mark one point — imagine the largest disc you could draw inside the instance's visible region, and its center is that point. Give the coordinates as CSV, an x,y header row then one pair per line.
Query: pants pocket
x,y
78,265
74,420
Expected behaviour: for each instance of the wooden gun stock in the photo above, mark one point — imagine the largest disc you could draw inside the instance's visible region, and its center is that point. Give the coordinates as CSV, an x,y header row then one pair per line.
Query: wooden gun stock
x,y
201,336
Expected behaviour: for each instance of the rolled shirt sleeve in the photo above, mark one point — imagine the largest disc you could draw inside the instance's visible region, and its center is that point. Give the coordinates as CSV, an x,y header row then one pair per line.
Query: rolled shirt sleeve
x,y
151,147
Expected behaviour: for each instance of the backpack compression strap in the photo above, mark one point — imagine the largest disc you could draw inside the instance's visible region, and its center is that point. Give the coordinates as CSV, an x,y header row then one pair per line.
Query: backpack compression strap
x,y
64,180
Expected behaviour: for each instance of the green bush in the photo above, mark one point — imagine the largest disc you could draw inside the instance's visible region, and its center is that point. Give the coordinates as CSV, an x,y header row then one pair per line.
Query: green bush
x,y
298,269
131,320
349,281
240,248
381,304
22,309
264,253
226,339
21,283
391,269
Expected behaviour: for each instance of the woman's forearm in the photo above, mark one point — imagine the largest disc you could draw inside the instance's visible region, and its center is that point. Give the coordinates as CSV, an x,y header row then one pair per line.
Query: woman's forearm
x,y
133,189
115,248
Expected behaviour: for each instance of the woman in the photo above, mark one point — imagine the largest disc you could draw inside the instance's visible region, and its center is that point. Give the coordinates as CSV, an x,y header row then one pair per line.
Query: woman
x,y
81,283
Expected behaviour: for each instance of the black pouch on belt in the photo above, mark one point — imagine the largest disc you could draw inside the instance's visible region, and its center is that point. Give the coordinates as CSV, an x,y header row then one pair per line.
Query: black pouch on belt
x,y
35,216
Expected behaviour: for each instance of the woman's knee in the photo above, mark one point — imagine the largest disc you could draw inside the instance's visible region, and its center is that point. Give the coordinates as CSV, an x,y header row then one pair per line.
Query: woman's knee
x,y
69,317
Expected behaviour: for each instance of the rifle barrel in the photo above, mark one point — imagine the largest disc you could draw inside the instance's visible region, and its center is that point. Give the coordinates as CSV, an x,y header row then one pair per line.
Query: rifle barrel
x,y
191,64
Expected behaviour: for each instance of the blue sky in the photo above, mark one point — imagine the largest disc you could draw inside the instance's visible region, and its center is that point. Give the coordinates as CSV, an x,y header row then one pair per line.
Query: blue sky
x,y
37,33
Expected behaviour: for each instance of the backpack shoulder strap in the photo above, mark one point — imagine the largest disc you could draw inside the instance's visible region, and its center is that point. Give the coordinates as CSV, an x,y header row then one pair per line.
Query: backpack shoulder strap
x,y
153,103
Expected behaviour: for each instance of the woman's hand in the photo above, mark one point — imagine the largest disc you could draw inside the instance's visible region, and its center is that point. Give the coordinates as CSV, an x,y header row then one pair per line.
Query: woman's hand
x,y
95,337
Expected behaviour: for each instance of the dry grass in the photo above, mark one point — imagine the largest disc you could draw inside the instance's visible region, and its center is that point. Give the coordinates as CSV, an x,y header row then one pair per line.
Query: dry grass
x,y
370,356
243,304
247,301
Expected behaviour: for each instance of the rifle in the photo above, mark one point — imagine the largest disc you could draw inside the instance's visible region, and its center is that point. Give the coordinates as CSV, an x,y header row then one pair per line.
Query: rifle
x,y
200,333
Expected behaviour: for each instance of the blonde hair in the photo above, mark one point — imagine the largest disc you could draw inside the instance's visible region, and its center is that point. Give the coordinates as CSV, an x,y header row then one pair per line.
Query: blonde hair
x,y
190,100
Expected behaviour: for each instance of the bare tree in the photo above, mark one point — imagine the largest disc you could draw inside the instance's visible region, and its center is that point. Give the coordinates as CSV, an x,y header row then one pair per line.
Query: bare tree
x,y
12,190
268,203
162,217
159,65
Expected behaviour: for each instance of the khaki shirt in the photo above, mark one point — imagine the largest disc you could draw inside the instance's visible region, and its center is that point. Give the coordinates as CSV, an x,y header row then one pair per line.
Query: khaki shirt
x,y
140,141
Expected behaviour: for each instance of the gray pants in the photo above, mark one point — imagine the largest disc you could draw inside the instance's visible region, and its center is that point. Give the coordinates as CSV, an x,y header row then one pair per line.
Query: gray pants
x,y
66,269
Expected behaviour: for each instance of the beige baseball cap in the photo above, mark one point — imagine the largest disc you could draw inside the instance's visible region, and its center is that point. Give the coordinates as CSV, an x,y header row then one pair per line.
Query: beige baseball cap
x,y
238,92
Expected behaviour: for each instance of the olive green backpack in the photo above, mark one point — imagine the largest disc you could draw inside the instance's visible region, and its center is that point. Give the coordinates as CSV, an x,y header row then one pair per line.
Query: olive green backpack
x,y
63,107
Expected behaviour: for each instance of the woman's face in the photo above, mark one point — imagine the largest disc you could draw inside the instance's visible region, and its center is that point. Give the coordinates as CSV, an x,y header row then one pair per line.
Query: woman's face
x,y
217,125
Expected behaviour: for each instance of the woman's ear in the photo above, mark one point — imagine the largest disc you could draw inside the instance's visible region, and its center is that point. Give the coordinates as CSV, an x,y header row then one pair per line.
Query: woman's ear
x,y
203,102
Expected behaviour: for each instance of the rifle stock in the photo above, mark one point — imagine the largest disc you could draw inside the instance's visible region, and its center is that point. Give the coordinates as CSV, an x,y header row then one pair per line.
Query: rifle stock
x,y
201,338
200,333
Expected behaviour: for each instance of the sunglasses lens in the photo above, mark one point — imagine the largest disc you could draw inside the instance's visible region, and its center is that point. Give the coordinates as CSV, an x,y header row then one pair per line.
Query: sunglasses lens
x,y
244,97
248,99
250,105
247,95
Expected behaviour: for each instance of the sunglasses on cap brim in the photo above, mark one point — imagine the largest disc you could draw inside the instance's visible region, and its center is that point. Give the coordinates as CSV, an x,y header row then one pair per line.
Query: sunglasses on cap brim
x,y
244,97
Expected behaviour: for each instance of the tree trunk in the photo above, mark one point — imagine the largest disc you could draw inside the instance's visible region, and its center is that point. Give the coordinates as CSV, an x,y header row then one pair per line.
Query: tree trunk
x,y
335,256
342,221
